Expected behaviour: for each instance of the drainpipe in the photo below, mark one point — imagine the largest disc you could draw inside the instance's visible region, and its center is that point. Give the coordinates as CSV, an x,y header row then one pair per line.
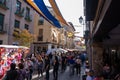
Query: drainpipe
x,y
10,22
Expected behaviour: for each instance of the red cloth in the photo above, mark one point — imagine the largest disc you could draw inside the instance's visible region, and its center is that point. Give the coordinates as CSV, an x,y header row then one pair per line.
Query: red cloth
x,y
2,73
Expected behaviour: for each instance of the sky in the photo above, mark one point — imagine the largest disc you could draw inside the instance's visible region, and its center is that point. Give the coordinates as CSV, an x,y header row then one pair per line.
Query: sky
x,y
71,10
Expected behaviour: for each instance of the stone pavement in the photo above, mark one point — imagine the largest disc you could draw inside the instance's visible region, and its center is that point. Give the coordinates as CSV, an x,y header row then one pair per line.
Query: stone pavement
x,y
62,76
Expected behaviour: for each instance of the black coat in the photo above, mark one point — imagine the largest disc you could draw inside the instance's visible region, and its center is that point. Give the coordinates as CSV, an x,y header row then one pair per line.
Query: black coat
x,y
11,75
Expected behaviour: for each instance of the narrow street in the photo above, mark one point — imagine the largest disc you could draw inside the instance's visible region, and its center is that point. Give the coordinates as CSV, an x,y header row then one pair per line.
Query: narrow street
x,y
62,76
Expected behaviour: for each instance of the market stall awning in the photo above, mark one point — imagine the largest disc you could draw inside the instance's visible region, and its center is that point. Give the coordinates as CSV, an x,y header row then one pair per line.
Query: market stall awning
x,y
57,11
40,4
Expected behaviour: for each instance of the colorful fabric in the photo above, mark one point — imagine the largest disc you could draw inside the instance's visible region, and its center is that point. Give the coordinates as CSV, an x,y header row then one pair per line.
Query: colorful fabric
x,y
46,12
57,11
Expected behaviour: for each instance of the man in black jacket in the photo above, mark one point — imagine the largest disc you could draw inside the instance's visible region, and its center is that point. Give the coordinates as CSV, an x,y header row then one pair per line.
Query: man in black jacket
x,y
12,74
55,68
47,66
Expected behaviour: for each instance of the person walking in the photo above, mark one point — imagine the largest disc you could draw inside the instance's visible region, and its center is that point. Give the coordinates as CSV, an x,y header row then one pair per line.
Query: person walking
x,y
47,67
63,62
106,71
40,67
12,74
29,68
21,72
72,65
55,68
78,66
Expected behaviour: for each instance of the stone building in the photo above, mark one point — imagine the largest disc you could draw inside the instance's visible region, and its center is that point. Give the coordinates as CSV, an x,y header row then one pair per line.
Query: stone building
x,y
14,14
18,14
48,36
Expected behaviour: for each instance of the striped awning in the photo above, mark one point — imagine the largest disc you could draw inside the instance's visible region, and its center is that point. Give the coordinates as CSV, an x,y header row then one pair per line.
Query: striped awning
x,y
40,7
33,5
57,11
46,12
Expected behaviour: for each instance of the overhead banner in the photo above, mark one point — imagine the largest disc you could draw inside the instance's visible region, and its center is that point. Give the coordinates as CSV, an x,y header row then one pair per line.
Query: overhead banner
x,y
40,4
57,11
33,5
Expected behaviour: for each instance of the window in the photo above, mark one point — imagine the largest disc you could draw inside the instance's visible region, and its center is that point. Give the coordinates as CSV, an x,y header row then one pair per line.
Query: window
x,y
27,12
18,6
1,22
40,37
17,24
26,27
27,15
40,31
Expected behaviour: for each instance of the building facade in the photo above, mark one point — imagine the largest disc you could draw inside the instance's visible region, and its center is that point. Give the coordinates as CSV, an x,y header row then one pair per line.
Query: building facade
x,y
14,14
102,36
17,14
47,36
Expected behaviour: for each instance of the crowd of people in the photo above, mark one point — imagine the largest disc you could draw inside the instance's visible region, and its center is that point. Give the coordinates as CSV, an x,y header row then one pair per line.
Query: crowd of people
x,y
38,63
42,62
59,62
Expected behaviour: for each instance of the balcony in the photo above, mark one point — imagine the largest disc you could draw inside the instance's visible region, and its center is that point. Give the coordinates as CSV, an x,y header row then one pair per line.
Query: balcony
x,y
3,4
2,31
20,13
28,18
